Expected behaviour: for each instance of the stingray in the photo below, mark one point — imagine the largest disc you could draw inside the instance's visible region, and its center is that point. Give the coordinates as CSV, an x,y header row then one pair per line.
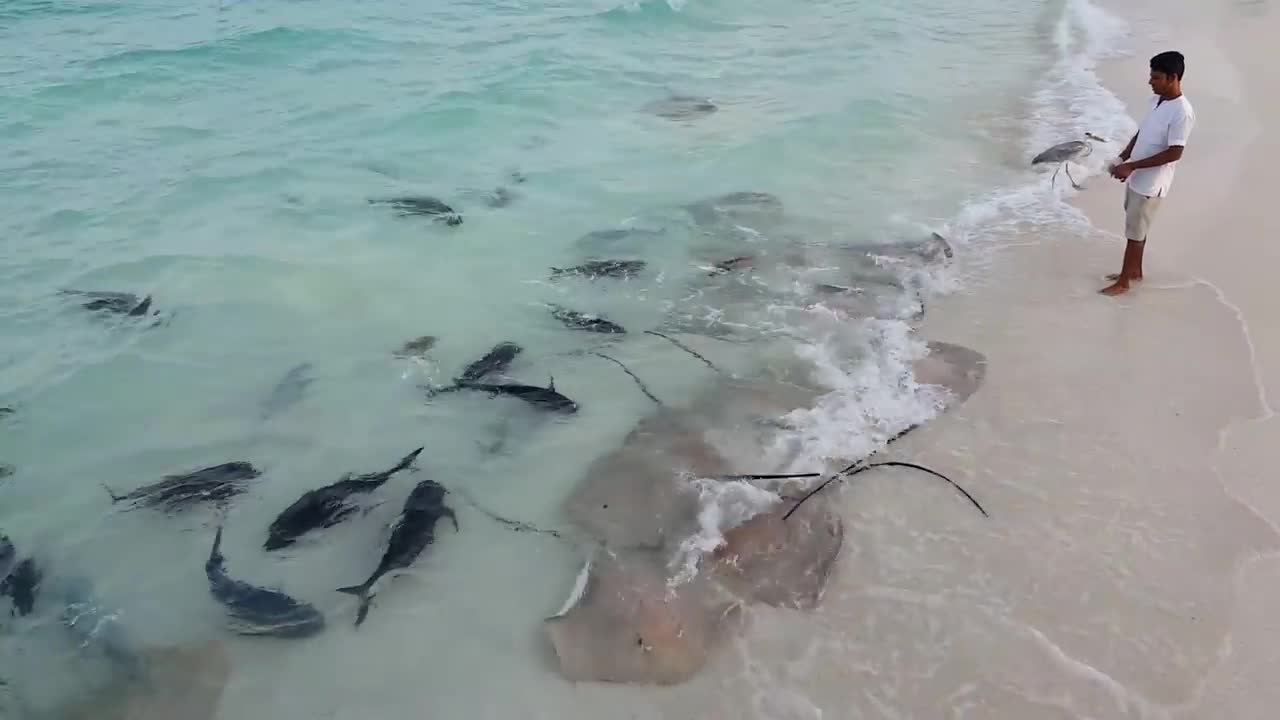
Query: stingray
x,y
626,623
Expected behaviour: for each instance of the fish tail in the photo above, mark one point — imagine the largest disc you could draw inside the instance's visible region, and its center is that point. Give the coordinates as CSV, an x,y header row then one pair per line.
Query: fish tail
x,y
142,308
114,497
362,592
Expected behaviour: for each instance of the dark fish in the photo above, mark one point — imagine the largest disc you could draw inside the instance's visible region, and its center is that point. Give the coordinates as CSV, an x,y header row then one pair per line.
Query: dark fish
x,y
8,556
590,323
417,347
255,610
423,205
496,361
622,269
835,289
681,107
413,532
6,470
175,492
21,586
327,506
126,304
288,391
545,398
4,411
737,263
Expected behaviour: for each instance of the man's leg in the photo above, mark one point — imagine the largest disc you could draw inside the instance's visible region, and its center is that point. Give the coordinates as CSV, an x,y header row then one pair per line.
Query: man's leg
x,y
1138,210
1131,270
1137,276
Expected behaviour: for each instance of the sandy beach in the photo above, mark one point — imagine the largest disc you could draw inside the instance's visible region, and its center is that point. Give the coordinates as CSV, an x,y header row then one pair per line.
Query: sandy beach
x,y
1126,446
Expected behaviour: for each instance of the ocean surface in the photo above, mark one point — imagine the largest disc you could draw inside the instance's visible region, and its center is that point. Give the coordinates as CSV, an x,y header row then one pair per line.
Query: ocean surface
x,y
221,156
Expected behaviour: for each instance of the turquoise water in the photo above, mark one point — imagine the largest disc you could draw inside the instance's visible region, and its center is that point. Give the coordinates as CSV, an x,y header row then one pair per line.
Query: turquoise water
x,y
219,156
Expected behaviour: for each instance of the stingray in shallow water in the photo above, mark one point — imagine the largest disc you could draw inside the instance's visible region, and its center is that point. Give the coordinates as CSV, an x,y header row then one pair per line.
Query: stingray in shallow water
x,y
289,391
417,347
626,622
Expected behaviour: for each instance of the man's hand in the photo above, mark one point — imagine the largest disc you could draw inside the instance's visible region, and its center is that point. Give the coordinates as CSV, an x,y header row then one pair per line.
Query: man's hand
x,y
1122,171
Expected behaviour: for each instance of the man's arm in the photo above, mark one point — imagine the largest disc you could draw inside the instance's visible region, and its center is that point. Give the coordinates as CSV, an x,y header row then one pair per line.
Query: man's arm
x,y
1165,157
1128,149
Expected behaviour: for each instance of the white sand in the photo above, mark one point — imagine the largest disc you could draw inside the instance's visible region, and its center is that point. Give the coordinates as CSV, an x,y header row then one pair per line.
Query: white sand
x,y
1126,447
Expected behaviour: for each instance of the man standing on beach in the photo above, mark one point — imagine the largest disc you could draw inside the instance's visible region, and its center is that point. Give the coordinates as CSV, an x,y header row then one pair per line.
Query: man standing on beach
x,y
1158,146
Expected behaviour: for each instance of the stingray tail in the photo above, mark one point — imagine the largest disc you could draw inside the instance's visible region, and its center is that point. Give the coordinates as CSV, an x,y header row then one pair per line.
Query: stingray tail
x,y
114,497
639,383
855,469
362,592
683,347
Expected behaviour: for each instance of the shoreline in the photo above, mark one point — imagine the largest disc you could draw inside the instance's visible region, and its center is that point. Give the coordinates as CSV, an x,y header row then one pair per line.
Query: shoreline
x,y
1121,444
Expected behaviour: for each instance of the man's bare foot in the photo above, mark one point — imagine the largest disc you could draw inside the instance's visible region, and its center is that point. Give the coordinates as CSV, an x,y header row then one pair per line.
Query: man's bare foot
x,y
1116,276
1116,288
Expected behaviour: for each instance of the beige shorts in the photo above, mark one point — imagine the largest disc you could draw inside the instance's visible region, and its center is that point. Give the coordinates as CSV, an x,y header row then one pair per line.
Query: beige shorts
x,y
1138,212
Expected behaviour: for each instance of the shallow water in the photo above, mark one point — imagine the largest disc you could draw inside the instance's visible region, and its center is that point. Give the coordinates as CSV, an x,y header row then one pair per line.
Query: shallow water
x,y
220,158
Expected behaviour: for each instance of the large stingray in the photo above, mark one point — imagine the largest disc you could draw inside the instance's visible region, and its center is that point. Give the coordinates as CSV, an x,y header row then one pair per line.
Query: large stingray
x,y
640,495
182,682
631,619
627,623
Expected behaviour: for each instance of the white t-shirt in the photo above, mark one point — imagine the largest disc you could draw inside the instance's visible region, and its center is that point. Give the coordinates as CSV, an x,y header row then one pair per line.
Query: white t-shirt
x,y
1167,124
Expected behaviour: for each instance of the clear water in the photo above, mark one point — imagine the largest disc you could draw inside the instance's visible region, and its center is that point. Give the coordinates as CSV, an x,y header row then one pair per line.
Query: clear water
x,y
219,156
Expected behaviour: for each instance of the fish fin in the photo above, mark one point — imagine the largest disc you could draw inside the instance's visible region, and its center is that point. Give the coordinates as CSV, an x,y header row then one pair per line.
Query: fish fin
x,y
215,555
142,307
362,592
552,386
454,518
114,497
406,462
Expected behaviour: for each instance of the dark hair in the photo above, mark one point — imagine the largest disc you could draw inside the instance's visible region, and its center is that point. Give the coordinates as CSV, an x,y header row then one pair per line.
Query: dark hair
x,y
1169,63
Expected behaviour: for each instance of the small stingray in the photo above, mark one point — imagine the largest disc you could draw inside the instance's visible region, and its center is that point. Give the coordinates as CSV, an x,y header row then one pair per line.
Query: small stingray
x,y
288,391
417,347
